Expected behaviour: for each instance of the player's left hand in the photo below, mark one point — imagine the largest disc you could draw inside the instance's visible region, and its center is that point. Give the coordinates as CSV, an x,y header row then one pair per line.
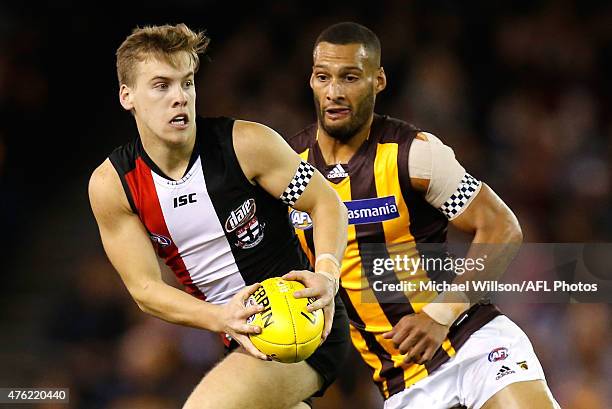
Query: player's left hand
x,y
320,287
418,336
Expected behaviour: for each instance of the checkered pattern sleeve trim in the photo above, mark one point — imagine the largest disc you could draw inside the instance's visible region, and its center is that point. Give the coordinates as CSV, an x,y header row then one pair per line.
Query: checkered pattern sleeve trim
x,y
455,204
298,184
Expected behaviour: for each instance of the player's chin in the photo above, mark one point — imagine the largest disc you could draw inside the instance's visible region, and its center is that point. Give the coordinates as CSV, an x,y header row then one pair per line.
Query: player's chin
x,y
338,129
338,124
177,136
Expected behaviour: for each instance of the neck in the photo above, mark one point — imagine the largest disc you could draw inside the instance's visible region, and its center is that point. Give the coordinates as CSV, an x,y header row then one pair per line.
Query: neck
x,y
335,151
171,158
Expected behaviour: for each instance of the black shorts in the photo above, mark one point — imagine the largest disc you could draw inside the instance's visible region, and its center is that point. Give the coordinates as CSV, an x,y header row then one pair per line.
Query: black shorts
x,y
329,357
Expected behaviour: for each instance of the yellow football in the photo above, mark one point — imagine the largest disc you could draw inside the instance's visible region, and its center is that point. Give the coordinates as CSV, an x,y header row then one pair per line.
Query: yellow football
x,y
289,332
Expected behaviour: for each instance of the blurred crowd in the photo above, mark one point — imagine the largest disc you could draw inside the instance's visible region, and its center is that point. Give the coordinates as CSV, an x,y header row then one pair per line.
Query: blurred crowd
x,y
522,92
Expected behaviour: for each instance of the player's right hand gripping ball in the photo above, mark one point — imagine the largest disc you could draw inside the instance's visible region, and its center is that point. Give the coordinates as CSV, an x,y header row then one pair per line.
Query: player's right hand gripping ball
x,y
289,333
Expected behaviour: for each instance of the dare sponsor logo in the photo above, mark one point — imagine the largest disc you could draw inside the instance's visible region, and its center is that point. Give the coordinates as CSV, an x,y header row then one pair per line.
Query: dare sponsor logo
x,y
240,215
243,222
498,354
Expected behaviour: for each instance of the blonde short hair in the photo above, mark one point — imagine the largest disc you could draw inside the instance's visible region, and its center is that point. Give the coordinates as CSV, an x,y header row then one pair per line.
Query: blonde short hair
x,y
160,42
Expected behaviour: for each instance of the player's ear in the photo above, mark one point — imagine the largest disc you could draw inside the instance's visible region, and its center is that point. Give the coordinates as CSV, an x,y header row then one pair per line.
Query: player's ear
x,y
125,97
381,80
311,82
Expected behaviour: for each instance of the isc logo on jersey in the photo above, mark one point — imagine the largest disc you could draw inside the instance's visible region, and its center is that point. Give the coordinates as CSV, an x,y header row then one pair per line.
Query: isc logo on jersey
x,y
289,332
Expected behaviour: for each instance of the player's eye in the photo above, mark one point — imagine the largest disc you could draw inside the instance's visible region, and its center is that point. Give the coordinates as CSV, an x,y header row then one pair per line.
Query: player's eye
x,y
321,77
352,78
161,85
188,83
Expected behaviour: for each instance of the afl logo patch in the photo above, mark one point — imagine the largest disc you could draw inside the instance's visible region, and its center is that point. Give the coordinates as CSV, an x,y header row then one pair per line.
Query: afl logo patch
x,y
163,241
300,220
498,354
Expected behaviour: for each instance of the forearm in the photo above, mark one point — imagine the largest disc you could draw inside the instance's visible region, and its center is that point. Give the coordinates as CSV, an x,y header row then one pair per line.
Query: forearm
x,y
495,248
330,224
176,306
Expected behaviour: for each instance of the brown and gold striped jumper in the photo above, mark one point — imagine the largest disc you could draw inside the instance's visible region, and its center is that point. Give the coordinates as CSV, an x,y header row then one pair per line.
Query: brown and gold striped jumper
x,y
387,217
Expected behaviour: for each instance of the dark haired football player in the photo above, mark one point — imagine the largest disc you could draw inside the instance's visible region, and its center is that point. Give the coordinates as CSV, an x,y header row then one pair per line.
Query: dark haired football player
x,y
402,187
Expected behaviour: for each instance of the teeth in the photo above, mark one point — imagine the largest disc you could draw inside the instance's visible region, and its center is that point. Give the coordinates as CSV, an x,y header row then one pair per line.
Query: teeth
x,y
179,120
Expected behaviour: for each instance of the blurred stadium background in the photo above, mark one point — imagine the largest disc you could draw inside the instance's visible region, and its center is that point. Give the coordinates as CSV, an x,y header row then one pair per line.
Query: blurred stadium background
x,y
521,90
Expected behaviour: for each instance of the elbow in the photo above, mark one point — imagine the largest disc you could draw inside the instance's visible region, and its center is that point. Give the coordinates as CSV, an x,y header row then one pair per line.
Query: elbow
x,y
516,235
500,228
142,304
513,232
141,296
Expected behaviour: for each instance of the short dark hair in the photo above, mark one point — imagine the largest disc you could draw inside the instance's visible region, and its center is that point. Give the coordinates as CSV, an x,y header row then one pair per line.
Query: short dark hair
x,y
351,33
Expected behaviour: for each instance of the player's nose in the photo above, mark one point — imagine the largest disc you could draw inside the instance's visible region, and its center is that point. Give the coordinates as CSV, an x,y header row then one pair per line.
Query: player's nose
x,y
334,91
179,97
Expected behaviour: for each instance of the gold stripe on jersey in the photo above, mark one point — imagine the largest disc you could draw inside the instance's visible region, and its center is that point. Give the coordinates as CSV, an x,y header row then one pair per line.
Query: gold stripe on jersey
x,y
387,184
412,372
369,358
354,280
448,347
398,239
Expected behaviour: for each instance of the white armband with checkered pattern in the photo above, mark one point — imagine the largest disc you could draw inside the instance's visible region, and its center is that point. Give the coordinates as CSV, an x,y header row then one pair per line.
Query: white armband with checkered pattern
x,y
458,201
298,184
450,188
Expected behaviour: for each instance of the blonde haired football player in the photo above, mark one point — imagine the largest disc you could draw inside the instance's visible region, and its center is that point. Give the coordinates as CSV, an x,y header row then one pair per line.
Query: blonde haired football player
x,y
210,197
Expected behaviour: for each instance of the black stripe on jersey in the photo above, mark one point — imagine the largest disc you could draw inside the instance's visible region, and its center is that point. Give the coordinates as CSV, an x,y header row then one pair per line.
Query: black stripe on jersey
x,y
371,237
393,375
256,224
473,319
123,160
427,224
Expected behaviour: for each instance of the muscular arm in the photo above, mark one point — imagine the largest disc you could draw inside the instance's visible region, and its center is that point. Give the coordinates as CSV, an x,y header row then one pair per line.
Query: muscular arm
x,y
129,249
495,229
497,236
267,160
